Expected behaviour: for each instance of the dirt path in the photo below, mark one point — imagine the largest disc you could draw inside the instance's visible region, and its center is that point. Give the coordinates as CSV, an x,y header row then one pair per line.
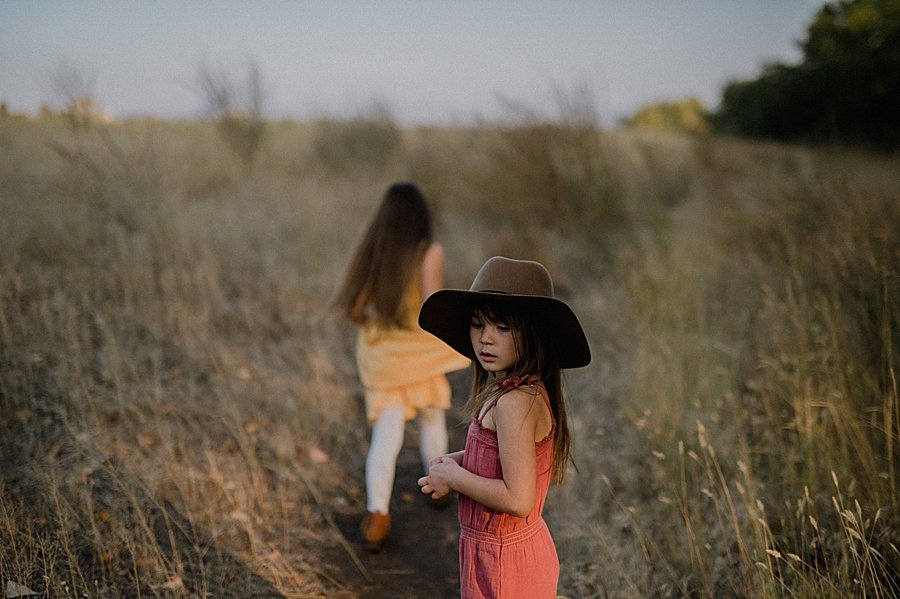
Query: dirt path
x,y
420,559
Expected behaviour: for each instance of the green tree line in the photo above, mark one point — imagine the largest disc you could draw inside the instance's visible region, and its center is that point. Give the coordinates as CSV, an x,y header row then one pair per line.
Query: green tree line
x,y
846,89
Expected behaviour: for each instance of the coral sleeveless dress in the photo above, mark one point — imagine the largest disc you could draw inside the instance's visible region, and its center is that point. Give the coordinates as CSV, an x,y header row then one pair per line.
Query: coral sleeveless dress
x,y
502,555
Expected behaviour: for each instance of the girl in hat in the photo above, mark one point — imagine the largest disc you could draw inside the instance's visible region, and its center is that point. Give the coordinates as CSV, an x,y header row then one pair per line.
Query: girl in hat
x,y
519,337
402,368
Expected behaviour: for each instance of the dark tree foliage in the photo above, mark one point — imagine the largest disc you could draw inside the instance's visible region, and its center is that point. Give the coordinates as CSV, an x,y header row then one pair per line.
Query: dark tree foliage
x,y
845,90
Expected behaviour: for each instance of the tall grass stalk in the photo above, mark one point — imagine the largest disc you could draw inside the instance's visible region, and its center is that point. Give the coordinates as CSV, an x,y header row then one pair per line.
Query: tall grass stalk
x,y
775,328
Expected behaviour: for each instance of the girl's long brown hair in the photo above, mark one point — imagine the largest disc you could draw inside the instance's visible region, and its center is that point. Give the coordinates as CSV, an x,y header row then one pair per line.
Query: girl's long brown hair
x,y
387,259
536,359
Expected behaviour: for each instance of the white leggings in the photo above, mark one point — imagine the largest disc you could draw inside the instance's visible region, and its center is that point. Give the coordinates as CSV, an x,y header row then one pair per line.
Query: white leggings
x,y
387,439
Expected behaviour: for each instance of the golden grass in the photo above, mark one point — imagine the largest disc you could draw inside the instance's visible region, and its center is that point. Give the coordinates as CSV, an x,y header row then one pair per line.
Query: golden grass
x,y
763,361
178,402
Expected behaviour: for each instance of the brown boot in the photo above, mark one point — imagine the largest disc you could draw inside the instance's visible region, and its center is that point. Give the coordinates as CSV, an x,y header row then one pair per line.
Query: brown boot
x,y
376,527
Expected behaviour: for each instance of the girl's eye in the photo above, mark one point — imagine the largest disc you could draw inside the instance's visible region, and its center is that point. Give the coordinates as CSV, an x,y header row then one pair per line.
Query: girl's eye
x,y
503,328
476,325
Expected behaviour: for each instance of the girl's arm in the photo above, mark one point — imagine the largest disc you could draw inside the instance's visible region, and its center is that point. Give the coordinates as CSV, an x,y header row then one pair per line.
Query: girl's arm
x,y
516,417
358,310
432,269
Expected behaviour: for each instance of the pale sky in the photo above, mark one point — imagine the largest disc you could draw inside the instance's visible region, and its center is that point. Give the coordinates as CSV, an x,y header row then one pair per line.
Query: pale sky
x,y
428,61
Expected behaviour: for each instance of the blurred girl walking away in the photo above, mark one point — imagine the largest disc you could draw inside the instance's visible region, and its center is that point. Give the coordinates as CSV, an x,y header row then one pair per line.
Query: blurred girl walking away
x,y
520,337
396,265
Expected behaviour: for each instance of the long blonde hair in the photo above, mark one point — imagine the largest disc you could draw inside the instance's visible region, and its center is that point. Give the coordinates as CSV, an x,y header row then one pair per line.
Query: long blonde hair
x,y
535,359
388,258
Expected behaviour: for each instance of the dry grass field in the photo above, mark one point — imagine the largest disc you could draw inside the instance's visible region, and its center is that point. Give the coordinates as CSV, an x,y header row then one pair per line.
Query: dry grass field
x,y
181,415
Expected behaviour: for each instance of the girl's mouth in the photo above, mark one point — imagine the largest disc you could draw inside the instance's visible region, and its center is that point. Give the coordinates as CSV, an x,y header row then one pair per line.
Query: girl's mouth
x,y
487,357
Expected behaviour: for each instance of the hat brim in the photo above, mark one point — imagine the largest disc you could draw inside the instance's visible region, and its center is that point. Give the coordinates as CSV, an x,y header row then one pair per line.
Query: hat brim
x,y
446,315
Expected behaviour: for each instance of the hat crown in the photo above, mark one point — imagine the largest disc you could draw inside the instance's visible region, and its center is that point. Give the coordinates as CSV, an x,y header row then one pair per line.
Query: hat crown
x,y
513,277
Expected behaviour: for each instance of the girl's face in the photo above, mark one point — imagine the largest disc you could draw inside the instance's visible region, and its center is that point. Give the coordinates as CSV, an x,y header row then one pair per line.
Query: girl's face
x,y
494,344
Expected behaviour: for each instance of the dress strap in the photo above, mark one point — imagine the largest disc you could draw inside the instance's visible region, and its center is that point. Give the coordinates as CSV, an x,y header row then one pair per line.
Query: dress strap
x,y
546,397
507,385
513,382
490,406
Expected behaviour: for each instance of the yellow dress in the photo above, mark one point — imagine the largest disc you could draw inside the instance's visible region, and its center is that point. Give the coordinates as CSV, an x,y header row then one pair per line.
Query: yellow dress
x,y
405,367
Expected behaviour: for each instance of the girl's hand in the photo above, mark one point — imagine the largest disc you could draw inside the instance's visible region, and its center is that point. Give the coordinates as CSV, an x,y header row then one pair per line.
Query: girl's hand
x,y
456,456
428,489
440,474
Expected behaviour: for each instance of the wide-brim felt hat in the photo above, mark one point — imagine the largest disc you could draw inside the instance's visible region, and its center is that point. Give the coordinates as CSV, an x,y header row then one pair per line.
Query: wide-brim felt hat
x,y
520,285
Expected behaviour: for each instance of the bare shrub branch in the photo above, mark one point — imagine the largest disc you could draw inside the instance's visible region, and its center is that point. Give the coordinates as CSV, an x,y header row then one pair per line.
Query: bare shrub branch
x,y
237,107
